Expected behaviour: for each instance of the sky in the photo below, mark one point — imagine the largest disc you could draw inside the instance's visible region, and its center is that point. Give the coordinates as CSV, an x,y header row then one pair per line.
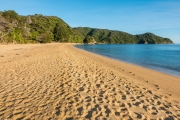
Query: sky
x,y
161,17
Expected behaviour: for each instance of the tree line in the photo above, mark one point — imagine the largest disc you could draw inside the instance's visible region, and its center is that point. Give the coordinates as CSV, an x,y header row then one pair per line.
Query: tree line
x,y
45,29
119,37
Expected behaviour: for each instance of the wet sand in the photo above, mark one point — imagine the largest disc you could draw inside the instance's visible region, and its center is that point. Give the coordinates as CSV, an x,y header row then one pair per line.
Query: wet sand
x,y
59,81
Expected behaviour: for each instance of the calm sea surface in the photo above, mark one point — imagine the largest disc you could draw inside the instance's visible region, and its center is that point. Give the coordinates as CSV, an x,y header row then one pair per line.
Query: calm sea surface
x,y
163,58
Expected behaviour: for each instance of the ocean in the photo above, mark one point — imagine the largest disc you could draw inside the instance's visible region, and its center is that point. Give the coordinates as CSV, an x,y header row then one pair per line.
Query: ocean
x,y
160,57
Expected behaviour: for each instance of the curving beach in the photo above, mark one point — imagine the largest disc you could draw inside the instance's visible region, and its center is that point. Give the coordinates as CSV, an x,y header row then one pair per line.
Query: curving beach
x,y
60,82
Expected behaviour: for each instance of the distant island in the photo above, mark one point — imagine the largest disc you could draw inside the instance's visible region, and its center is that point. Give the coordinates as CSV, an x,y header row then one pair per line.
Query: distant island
x,y
45,29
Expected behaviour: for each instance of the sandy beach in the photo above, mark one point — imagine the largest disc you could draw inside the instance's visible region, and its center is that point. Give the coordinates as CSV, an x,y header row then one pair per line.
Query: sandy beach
x,y
60,82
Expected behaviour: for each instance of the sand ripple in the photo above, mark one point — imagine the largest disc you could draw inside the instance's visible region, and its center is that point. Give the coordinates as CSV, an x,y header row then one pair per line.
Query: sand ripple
x,y
53,82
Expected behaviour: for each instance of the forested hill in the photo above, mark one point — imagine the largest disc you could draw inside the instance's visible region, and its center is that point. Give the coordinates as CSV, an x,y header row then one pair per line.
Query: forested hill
x,y
110,36
44,29
34,29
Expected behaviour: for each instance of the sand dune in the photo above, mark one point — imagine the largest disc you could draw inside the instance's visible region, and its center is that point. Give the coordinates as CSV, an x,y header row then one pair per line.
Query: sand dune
x,y
58,82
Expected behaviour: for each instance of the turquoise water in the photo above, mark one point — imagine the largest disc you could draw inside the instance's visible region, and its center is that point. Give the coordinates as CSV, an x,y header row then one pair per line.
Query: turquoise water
x,y
163,58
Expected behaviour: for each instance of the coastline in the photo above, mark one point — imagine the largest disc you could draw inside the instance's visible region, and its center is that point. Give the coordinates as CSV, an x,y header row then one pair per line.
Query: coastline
x,y
167,82
134,60
59,81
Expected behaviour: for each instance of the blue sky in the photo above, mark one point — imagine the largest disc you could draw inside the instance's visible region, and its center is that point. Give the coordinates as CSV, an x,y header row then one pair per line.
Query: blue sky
x,y
161,17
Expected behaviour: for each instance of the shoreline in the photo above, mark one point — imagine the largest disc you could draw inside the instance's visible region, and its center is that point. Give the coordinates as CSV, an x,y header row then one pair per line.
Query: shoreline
x,y
173,75
137,72
59,81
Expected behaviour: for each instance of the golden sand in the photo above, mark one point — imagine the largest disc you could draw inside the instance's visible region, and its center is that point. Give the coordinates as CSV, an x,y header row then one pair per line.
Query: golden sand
x,y
60,82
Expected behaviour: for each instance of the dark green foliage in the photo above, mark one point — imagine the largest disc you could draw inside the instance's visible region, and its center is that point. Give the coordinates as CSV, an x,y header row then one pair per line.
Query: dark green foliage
x,y
107,36
42,27
46,29
45,37
114,37
150,38
11,15
88,39
61,34
35,28
82,31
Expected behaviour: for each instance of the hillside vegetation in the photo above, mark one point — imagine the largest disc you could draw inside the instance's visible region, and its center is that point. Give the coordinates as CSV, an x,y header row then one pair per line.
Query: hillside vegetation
x,y
44,29
34,29
111,36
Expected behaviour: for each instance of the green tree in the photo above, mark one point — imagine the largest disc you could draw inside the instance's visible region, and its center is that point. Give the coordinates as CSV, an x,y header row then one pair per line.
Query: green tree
x,y
39,28
61,33
11,15
88,39
45,37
